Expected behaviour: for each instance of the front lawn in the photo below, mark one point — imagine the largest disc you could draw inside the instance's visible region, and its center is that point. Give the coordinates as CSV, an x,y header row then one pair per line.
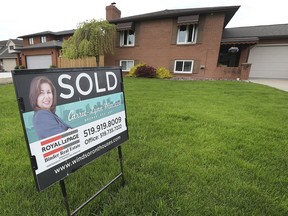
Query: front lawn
x,y
195,148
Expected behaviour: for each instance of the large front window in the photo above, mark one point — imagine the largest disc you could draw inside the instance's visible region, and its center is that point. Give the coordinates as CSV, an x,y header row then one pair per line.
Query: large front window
x,y
187,34
183,66
127,38
126,64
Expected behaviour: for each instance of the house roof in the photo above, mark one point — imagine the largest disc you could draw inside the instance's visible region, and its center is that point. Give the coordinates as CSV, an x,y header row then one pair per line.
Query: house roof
x,y
2,48
261,32
6,55
240,40
228,10
18,43
48,44
3,43
4,52
15,41
66,32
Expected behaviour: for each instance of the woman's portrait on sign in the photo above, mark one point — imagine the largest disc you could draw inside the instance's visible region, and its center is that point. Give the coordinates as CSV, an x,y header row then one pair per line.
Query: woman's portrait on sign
x,y
43,99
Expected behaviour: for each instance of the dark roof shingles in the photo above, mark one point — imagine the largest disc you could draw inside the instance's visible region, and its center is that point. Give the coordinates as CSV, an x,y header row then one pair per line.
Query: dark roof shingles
x,y
66,32
264,31
48,44
229,10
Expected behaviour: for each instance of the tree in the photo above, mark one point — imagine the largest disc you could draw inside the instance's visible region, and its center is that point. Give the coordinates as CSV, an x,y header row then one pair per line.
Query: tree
x,y
91,38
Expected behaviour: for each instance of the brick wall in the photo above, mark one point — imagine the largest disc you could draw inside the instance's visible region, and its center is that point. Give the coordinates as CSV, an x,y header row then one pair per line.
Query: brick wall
x,y
232,73
112,12
155,44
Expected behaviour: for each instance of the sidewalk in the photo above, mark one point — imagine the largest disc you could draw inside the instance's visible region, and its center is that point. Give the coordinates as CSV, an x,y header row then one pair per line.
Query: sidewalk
x,y
5,78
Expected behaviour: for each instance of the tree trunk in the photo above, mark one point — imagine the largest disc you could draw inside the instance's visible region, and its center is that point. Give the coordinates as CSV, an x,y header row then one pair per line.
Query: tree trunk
x,y
97,60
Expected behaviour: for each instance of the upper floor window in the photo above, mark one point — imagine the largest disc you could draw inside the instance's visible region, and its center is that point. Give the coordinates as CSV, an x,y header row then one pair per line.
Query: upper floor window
x,y
127,38
187,29
43,39
126,64
127,33
11,47
31,41
183,66
61,39
187,34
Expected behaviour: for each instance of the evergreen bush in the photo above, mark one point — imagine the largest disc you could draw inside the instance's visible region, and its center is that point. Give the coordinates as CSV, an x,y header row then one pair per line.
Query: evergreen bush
x,y
145,71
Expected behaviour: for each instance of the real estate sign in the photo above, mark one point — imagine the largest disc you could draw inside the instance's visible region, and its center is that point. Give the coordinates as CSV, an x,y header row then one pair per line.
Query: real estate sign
x,y
70,117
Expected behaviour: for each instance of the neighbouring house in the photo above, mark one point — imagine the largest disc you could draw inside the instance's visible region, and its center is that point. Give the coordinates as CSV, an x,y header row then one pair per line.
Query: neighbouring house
x,y
265,48
9,55
41,50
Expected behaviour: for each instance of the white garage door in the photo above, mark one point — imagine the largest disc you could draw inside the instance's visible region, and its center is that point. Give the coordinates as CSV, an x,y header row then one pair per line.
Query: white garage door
x,y
9,64
269,61
41,61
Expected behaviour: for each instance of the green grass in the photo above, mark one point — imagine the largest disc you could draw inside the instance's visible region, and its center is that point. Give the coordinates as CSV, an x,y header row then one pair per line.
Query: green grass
x,y
195,148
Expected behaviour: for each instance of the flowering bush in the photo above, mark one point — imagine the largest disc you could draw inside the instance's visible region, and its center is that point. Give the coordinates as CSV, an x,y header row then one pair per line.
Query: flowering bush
x,y
162,73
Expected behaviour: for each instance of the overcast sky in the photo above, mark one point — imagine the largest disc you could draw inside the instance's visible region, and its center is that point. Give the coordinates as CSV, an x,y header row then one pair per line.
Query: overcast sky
x,y
22,17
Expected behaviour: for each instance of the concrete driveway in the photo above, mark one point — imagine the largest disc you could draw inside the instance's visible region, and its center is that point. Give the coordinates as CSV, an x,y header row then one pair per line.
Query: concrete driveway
x,y
281,84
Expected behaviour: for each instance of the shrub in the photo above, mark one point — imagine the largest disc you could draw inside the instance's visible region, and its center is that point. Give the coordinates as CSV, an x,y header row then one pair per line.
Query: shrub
x,y
22,67
16,67
162,73
133,69
53,66
145,71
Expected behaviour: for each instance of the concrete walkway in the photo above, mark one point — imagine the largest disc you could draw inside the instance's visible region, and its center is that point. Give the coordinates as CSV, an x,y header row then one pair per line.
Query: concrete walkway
x,y
281,84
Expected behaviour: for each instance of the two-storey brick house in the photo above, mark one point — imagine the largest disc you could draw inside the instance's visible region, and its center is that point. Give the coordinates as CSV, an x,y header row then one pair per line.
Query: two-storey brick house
x,y
185,41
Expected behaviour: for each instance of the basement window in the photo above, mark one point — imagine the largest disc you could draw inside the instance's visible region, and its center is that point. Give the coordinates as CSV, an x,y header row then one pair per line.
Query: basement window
x,y
126,64
183,66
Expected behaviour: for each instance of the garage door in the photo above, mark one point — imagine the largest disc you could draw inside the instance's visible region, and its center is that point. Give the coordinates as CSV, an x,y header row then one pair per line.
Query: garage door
x,y
41,61
9,64
269,61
